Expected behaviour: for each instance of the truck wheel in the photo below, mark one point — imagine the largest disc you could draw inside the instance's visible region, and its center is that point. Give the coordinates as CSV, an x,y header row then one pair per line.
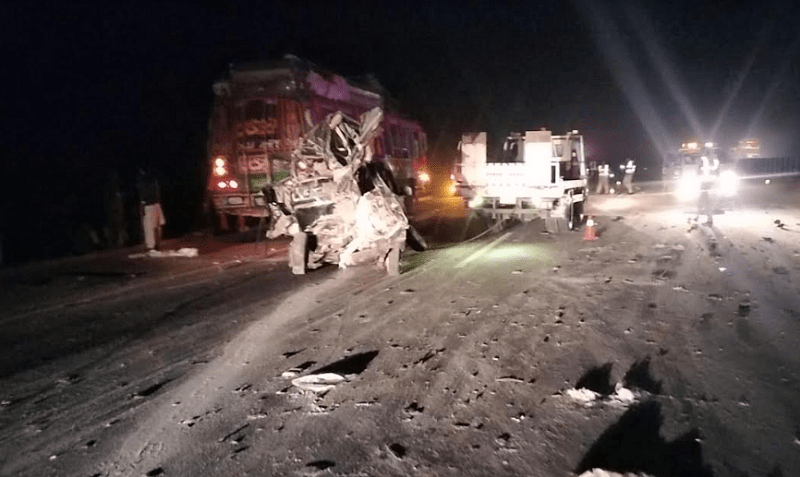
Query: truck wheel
x,y
221,223
575,219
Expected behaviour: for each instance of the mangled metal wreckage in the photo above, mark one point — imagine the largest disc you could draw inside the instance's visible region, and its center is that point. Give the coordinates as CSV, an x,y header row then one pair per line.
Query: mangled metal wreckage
x,y
338,205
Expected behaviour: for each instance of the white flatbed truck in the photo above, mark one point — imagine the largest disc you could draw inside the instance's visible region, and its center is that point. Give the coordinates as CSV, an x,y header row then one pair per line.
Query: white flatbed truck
x,y
537,175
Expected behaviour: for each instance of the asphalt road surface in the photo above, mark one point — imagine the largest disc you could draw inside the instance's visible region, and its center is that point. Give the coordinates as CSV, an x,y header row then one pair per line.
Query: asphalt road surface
x,y
665,347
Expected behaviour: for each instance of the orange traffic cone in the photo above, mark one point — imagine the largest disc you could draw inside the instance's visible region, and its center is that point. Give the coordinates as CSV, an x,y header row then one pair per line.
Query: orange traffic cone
x,y
588,233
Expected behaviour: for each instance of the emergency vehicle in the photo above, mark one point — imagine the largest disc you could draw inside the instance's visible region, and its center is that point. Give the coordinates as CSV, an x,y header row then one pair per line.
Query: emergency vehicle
x,y
700,167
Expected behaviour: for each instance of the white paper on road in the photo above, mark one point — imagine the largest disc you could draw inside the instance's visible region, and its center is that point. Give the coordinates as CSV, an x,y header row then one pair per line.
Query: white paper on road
x,y
183,252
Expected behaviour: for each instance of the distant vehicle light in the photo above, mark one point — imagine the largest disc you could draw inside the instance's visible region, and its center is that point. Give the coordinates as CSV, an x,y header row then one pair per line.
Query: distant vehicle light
x,y
424,177
709,144
233,184
220,170
219,162
222,185
692,145
766,181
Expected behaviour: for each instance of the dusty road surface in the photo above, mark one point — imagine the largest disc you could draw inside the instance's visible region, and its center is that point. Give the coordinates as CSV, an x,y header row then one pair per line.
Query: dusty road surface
x,y
662,348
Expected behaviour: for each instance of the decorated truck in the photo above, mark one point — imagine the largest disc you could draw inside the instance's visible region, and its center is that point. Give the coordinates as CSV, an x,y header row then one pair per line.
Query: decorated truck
x,y
260,112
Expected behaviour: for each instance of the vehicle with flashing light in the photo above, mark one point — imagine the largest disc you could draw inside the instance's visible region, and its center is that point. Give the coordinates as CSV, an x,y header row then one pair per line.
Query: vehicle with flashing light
x,y
698,169
261,109
535,174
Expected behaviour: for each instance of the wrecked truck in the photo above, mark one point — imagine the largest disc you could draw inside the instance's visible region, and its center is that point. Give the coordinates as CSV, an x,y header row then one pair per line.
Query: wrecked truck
x,y
338,204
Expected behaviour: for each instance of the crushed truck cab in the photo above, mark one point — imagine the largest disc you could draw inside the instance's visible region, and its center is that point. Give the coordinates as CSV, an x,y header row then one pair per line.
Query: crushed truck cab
x,y
535,175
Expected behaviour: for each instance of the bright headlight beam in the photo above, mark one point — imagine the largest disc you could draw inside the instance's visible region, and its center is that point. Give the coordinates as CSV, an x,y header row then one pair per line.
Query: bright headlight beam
x,y
648,35
619,59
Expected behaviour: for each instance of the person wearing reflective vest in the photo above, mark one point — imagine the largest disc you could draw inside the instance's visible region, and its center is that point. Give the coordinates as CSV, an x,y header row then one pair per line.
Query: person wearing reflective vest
x,y
709,168
603,174
627,181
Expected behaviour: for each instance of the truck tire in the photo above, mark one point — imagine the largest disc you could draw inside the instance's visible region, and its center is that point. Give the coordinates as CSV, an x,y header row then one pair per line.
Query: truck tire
x,y
575,219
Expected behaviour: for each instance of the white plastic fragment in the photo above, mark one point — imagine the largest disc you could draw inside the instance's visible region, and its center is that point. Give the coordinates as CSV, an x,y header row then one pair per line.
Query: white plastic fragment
x,y
318,383
182,252
605,473
583,395
623,396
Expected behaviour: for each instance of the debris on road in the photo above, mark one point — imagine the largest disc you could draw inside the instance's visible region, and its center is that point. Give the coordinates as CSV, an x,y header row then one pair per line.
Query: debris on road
x,y
189,252
605,473
583,395
622,397
318,383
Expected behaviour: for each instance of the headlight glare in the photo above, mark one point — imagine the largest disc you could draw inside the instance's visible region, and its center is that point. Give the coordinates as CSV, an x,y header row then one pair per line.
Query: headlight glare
x,y
728,183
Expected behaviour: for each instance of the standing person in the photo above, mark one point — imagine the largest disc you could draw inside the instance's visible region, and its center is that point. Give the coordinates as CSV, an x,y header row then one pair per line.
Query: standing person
x,y
603,174
591,171
627,181
150,209
709,167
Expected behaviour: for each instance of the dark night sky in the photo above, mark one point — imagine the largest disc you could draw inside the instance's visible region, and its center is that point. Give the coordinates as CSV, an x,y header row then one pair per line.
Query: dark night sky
x,y
94,86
